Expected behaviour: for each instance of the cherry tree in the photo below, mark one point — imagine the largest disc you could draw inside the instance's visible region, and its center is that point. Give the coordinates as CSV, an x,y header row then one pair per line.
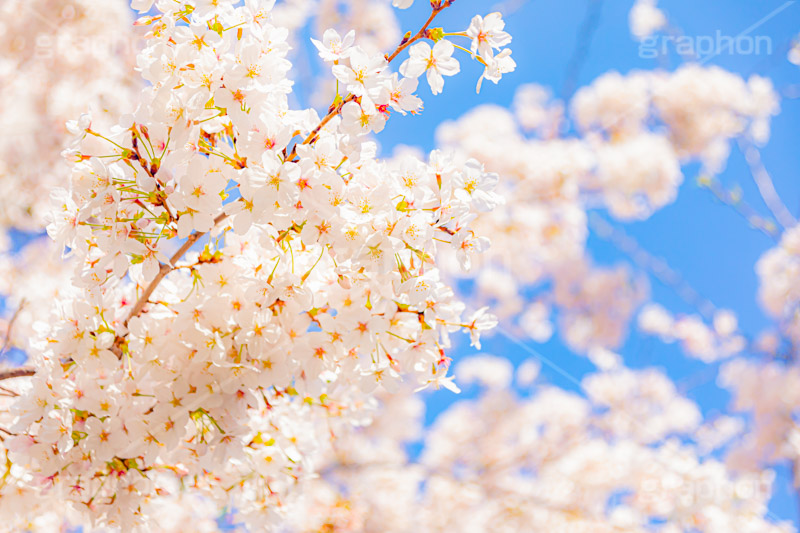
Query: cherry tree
x,y
238,300
245,274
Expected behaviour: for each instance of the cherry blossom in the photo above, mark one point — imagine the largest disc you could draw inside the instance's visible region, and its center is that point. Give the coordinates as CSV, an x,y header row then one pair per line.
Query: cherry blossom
x,y
333,47
434,62
487,34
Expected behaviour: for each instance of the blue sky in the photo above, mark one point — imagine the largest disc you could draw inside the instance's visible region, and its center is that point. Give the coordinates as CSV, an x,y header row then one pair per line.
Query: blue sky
x,y
709,244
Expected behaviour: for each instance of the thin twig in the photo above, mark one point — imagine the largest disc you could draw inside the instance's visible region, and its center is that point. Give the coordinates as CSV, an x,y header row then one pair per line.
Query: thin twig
x,y
584,40
163,270
420,34
336,109
7,392
733,199
765,185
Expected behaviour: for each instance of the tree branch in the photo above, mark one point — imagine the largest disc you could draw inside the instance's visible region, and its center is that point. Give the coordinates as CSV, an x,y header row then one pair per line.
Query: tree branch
x,y
162,273
166,269
137,307
21,372
765,186
405,43
420,34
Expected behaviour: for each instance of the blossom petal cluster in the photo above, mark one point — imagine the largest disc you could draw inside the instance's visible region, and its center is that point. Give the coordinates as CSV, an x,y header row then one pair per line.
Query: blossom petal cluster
x,y
645,18
244,272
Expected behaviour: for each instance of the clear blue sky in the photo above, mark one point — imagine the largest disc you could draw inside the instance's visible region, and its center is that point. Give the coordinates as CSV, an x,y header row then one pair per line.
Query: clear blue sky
x,y
706,242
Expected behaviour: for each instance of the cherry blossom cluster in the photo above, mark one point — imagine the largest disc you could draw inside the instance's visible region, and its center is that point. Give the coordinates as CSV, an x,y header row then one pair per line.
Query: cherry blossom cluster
x,y
366,77
708,343
767,392
646,18
30,280
765,389
778,270
700,108
247,274
58,59
25,508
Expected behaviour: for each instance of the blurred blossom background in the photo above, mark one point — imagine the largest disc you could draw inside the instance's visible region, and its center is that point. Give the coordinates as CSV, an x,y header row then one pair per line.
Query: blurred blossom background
x,y
709,247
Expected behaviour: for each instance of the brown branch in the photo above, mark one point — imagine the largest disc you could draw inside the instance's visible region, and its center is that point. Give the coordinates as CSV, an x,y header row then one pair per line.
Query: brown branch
x,y
21,372
137,307
420,34
163,270
332,113
336,109
166,269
